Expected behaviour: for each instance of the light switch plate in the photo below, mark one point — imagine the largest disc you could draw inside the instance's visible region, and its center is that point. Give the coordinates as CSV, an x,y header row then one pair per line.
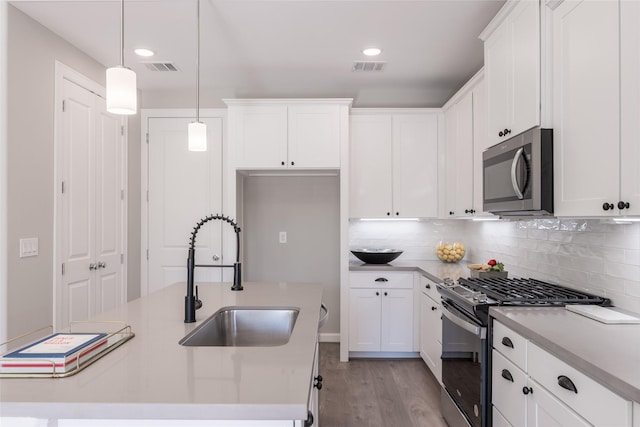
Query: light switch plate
x,y
28,247
283,237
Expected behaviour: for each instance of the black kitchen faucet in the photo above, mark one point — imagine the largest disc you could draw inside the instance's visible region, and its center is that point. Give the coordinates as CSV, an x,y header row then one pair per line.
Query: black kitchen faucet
x,y
191,301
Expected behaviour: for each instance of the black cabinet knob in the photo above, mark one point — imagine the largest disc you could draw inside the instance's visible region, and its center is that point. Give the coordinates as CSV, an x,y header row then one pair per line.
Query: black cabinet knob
x,y
433,308
282,163
292,163
527,390
428,286
507,131
500,134
606,206
623,205
377,294
388,213
385,294
451,212
317,382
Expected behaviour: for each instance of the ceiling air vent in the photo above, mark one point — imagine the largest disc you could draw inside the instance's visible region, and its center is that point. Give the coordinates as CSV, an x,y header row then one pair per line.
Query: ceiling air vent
x,y
160,66
369,66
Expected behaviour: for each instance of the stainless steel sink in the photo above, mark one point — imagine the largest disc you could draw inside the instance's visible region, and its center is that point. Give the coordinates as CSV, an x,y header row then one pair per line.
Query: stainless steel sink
x,y
245,327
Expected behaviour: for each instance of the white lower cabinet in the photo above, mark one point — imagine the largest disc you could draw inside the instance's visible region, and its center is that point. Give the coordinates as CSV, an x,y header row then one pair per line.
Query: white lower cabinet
x,y
535,388
431,327
381,311
544,410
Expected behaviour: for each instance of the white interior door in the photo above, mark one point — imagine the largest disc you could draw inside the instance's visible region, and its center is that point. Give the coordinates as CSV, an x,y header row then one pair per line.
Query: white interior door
x,y
184,186
91,200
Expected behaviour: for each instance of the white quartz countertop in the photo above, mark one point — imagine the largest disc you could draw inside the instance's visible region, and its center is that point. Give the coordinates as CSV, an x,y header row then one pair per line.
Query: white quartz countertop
x,y
434,270
153,377
608,353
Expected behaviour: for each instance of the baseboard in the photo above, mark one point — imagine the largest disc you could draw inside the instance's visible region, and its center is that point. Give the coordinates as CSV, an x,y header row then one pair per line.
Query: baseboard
x,y
384,354
329,337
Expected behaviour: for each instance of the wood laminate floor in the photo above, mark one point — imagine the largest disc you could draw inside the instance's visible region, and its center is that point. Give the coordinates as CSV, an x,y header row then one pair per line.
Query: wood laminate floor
x,y
377,392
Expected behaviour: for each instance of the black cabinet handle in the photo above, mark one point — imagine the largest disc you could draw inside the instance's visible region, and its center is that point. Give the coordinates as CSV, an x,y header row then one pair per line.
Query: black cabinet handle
x,y
504,132
527,390
451,212
566,383
309,421
292,163
377,294
282,163
385,294
507,342
507,375
382,279
433,308
623,205
317,382
471,211
606,206
397,213
388,213
428,286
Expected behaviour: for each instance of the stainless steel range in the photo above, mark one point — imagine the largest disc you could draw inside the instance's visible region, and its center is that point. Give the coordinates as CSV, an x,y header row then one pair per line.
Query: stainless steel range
x,y
466,341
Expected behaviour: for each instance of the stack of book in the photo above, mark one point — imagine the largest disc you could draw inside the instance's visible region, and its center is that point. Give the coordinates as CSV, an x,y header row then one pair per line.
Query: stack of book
x,y
58,353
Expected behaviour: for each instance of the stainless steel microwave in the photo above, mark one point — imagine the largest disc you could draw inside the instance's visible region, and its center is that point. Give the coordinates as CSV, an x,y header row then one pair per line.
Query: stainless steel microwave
x,y
518,175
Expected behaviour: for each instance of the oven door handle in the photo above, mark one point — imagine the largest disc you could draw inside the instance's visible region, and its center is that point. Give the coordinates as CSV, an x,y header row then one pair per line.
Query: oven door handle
x,y
467,326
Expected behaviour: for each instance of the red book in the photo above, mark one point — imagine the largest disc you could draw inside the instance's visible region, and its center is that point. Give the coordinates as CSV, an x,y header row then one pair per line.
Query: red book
x,y
57,353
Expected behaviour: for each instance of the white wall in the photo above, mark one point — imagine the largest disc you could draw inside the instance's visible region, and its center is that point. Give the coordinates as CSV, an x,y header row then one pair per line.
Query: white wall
x,y
592,255
3,171
32,52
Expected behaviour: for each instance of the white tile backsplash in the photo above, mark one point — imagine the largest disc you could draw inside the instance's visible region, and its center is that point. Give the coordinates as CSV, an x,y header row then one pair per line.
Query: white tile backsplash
x,y
591,255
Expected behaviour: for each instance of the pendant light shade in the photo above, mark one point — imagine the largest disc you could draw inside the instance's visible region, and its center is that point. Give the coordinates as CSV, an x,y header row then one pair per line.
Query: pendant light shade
x,y
121,91
197,136
122,97
197,129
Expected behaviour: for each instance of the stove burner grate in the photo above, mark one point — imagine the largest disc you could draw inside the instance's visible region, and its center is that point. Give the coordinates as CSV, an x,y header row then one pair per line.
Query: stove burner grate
x,y
530,292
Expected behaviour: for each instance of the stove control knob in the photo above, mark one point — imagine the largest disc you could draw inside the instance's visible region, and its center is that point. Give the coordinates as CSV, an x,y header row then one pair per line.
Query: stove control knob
x,y
481,297
447,281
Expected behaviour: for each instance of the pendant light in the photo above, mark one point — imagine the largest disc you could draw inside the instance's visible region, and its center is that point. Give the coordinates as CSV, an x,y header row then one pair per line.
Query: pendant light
x,y
121,81
197,129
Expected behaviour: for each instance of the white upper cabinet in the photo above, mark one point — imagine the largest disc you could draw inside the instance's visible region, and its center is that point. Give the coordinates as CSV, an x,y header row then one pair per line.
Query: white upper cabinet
x,y
512,65
393,164
465,121
278,134
596,78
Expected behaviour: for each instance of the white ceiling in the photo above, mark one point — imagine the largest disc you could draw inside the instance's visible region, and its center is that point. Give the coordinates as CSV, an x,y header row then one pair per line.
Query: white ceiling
x,y
286,48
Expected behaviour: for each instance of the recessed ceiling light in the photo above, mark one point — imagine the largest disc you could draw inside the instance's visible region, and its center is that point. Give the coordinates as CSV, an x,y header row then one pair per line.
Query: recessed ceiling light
x,y
372,51
144,52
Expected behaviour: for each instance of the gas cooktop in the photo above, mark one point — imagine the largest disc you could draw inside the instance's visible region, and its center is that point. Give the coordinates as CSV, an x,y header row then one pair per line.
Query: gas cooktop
x,y
475,296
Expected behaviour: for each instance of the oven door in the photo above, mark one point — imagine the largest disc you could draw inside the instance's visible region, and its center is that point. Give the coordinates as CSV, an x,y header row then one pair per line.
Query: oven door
x,y
464,361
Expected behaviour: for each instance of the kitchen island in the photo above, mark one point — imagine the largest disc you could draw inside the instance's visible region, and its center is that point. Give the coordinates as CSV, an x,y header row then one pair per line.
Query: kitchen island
x,y
152,377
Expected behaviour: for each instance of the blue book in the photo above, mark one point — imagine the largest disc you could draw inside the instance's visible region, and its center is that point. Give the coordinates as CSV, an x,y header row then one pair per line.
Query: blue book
x,y
57,353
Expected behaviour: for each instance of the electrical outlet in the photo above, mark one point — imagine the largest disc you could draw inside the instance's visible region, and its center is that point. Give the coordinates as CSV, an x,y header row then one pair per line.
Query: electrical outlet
x,y
283,237
28,247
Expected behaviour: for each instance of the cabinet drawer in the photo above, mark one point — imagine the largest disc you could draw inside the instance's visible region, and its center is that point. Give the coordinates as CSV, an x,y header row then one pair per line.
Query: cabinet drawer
x,y
511,344
596,403
428,287
499,420
381,279
507,382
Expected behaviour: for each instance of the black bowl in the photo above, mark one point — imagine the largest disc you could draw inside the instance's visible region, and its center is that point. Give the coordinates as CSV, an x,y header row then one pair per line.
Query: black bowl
x,y
376,256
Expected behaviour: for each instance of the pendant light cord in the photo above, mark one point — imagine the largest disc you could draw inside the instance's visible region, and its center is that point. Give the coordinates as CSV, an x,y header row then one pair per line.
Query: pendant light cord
x,y
198,67
122,33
